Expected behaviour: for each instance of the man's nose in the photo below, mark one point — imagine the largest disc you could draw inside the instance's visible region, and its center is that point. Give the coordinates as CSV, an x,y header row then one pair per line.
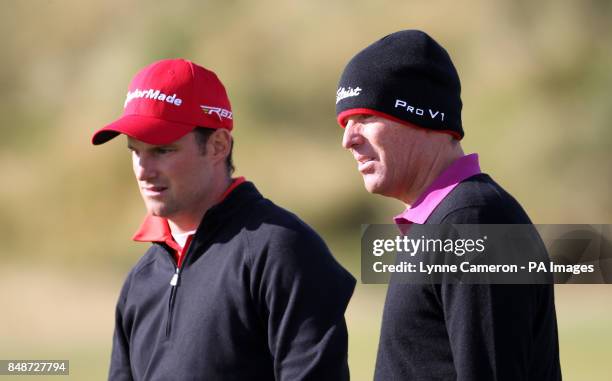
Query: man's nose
x,y
144,168
351,137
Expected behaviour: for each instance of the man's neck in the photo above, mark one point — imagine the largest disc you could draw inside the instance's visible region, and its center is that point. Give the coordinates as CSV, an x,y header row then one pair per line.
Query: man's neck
x,y
437,165
181,224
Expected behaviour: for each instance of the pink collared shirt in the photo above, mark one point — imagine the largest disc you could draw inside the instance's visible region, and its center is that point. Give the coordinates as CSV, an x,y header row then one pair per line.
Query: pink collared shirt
x,y
459,170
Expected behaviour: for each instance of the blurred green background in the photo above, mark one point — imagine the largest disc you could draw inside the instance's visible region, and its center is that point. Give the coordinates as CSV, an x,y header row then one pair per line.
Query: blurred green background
x,y
537,86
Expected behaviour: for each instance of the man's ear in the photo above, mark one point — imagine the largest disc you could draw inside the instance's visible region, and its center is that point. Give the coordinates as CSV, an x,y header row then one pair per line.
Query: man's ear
x,y
219,144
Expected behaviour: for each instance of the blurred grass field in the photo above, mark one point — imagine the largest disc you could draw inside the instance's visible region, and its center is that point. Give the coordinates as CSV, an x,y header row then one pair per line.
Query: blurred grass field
x,y
536,89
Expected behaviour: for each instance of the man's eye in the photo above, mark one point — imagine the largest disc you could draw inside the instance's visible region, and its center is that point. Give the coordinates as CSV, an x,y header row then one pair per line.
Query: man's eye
x,y
162,151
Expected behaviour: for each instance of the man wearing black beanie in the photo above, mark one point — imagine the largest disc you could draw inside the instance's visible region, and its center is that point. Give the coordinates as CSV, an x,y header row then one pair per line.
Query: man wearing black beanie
x,y
399,103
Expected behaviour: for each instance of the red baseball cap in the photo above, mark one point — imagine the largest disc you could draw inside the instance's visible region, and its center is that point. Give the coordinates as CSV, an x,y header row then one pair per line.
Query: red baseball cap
x,y
168,99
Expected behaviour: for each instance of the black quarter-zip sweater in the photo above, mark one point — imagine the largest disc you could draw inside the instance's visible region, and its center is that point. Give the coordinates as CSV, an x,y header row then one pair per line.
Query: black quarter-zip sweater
x,y
258,297
470,332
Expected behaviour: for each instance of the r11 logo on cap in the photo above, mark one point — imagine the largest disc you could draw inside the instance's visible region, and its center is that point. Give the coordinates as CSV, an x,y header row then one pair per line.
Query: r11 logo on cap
x,y
221,112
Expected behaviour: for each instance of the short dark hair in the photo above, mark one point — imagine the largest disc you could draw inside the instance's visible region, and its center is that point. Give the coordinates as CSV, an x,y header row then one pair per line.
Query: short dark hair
x,y
202,134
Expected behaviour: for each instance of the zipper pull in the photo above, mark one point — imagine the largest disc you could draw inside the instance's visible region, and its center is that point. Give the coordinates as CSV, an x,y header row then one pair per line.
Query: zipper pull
x,y
175,277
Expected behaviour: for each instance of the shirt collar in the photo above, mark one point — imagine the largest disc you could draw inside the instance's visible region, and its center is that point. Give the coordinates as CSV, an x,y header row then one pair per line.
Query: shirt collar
x,y
459,170
156,229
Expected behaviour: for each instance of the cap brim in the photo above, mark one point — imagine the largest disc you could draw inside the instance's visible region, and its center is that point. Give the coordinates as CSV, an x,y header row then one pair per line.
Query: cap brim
x,y
147,129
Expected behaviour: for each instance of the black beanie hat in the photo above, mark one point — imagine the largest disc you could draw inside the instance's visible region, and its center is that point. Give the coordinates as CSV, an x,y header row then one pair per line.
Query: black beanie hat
x,y
406,77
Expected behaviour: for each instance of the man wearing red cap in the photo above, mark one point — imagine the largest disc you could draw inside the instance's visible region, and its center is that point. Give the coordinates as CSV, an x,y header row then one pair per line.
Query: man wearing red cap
x,y
233,287
399,103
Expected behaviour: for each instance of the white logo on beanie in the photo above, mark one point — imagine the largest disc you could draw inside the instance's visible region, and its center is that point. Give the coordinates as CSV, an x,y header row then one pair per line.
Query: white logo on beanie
x,y
346,93
433,114
152,94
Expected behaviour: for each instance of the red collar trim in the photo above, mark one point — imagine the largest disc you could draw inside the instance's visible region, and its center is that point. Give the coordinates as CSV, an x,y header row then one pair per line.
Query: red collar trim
x,y
235,182
156,229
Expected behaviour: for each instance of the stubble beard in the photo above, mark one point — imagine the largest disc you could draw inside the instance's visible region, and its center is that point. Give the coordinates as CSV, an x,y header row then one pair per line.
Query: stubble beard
x,y
164,209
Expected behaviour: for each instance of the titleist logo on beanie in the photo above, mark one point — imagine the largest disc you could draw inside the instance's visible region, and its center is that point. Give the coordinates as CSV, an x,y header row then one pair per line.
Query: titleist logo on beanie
x,y
405,76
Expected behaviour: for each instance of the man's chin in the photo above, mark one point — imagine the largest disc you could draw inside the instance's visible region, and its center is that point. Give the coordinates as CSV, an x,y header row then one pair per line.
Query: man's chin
x,y
381,189
372,187
158,210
